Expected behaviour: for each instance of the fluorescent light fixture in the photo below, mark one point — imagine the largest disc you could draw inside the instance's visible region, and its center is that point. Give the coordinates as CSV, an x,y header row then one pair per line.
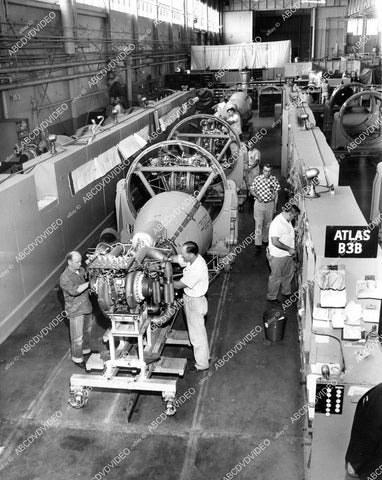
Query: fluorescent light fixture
x,y
317,2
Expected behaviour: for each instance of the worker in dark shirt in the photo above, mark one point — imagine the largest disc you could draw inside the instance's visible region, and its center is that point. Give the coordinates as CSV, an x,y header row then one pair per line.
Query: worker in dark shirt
x,y
116,91
364,454
78,307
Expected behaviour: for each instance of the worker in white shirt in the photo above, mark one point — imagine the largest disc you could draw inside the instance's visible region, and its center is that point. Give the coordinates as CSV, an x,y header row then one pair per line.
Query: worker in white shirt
x,y
219,107
195,284
118,107
234,119
282,252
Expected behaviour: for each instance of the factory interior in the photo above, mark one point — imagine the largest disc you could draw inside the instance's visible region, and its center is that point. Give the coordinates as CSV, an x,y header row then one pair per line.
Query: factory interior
x,y
137,137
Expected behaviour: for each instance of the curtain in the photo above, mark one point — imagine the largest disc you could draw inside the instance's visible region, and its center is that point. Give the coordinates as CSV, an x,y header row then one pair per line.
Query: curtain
x,y
241,55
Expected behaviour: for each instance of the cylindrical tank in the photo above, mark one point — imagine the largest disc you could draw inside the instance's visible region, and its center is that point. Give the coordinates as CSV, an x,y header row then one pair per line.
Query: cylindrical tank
x,y
243,103
170,210
245,76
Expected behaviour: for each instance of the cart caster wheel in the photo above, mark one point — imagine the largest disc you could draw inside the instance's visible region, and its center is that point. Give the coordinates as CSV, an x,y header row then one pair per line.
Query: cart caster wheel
x,y
78,398
170,408
109,370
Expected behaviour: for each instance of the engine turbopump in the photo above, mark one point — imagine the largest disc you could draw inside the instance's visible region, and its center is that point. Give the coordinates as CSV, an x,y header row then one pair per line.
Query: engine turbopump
x,y
129,280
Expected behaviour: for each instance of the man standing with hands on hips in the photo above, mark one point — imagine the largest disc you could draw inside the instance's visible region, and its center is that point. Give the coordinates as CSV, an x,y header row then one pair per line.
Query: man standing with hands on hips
x,y
265,189
195,284
282,252
78,307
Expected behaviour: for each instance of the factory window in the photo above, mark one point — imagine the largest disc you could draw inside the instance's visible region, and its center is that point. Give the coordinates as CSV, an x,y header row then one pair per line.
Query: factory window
x,y
355,26
197,14
46,186
213,20
127,6
190,13
177,16
202,17
147,9
164,13
93,3
178,13
372,26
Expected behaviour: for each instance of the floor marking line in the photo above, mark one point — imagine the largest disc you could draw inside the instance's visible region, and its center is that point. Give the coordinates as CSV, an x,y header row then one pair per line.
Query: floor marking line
x,y
112,408
10,441
195,432
33,407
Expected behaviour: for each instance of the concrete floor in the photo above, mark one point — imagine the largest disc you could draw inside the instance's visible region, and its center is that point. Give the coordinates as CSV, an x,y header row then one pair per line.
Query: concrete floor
x,y
247,402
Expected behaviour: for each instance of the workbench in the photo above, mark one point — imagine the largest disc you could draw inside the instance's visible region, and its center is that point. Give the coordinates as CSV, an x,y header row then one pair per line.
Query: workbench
x,y
327,434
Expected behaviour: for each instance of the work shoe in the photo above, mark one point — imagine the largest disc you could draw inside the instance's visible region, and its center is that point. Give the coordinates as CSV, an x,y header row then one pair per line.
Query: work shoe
x,y
81,365
273,300
193,369
151,357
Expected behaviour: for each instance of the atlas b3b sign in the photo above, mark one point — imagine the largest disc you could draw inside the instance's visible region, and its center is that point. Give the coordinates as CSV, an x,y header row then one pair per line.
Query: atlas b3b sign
x,y
351,241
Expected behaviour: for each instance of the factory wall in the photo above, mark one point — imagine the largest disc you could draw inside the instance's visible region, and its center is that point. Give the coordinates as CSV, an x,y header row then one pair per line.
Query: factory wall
x,y
37,103
292,16
35,236
237,27
356,43
98,35
331,28
296,28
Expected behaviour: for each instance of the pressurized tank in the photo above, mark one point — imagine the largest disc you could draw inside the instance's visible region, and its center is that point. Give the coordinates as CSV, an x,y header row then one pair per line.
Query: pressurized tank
x,y
164,215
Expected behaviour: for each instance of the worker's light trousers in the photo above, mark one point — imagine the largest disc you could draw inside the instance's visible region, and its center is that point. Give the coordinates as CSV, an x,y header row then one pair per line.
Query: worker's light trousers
x,y
80,331
195,309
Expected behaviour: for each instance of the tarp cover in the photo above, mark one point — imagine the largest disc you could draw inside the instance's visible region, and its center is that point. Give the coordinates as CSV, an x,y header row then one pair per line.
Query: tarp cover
x,y
370,76
241,55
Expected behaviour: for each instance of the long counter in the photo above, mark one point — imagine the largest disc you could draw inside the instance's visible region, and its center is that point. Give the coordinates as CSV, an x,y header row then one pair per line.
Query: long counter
x,y
327,435
330,355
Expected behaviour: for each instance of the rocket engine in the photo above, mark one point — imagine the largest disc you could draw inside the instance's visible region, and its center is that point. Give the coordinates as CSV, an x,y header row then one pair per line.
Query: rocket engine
x,y
167,199
174,191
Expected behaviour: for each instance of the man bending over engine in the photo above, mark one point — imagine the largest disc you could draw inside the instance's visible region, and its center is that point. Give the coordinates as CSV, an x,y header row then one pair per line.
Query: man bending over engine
x,y
195,284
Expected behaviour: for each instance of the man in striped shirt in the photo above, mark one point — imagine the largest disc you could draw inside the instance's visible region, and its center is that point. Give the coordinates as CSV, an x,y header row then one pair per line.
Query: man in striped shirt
x,y
265,189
